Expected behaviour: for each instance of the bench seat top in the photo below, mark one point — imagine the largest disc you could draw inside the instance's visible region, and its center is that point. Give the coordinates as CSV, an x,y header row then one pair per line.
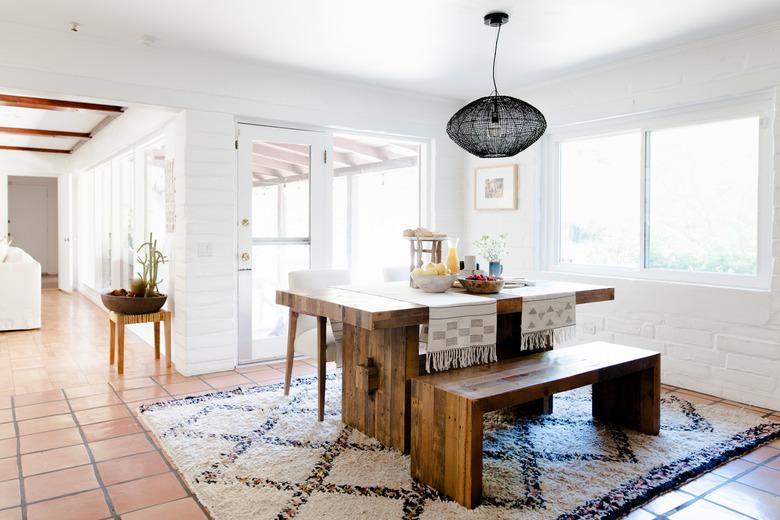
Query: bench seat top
x,y
516,381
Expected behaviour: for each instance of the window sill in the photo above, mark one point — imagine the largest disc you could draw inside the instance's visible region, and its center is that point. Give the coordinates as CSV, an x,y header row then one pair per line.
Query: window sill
x,y
736,305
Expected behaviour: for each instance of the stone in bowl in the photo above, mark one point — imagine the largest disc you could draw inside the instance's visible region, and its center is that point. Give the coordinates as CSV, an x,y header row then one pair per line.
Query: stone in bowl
x,y
131,305
482,286
434,283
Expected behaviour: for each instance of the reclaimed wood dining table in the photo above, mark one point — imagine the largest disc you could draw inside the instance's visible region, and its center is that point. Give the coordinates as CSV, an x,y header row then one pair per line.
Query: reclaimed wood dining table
x,y
381,348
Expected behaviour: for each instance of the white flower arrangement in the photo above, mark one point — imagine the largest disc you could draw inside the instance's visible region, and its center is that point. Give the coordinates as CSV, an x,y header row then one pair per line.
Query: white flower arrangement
x,y
492,249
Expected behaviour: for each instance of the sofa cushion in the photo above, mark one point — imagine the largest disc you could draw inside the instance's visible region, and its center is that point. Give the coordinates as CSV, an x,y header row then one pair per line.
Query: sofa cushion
x,y
17,255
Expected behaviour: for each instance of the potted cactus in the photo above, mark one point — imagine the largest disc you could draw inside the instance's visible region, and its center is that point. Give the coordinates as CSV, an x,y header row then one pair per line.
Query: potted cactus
x,y
143,296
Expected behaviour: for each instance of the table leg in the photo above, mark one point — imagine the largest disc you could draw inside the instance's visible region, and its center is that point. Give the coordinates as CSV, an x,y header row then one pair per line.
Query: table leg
x,y
111,340
156,340
385,412
508,347
120,324
322,348
292,326
167,319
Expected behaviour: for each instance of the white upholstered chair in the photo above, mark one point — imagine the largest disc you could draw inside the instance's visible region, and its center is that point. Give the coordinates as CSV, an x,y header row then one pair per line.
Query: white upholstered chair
x,y
305,332
395,274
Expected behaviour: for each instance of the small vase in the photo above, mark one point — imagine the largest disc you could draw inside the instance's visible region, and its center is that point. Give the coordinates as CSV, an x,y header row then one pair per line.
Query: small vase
x,y
495,269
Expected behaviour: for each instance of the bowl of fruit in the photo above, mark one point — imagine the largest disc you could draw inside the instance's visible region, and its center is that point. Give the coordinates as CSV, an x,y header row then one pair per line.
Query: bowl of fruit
x,y
433,278
482,284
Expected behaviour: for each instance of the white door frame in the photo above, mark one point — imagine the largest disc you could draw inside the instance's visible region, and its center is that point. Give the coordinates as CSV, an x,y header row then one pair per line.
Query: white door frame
x,y
320,214
65,232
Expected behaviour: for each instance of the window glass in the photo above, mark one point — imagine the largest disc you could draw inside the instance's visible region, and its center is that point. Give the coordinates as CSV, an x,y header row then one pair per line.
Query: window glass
x,y
703,208
600,180
376,195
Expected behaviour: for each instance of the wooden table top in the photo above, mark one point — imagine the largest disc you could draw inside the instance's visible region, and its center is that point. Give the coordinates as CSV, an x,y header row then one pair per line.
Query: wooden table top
x,y
377,312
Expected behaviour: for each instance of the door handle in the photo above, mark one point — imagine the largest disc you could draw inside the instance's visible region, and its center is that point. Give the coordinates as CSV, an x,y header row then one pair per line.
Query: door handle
x,y
245,257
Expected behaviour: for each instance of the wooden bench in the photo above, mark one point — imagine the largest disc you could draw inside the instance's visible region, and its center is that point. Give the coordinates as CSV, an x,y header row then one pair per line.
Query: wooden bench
x,y
447,407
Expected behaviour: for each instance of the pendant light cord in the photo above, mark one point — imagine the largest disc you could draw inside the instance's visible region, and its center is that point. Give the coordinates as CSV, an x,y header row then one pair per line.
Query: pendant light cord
x,y
495,51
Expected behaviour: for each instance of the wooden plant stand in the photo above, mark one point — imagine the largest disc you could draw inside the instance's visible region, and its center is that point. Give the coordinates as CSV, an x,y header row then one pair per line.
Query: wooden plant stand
x,y
117,322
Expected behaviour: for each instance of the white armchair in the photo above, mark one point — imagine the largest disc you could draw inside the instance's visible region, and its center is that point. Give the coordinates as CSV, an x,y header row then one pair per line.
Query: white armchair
x,y
20,291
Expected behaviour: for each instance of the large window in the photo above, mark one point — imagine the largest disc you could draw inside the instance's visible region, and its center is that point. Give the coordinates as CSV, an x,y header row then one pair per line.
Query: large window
x,y
120,201
376,195
676,198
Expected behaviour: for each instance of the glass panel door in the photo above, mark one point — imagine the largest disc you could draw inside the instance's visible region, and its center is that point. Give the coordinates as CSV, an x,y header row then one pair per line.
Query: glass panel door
x,y
280,224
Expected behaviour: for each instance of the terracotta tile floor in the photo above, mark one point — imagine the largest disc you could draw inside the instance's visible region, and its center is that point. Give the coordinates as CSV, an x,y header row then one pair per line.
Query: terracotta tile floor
x,y
71,446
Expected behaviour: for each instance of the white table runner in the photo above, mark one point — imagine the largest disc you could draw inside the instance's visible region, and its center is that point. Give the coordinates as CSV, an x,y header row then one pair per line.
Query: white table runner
x,y
547,317
461,327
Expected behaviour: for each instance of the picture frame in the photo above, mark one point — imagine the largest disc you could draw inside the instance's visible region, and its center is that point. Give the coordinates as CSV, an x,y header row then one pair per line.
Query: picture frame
x,y
495,188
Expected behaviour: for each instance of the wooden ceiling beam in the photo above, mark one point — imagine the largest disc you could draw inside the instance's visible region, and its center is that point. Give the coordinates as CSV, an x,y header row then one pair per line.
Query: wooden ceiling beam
x,y
44,133
264,150
31,149
56,104
373,153
300,149
292,169
390,164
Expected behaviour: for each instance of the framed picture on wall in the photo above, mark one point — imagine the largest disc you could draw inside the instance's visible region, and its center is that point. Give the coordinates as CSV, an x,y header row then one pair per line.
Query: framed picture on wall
x,y
495,187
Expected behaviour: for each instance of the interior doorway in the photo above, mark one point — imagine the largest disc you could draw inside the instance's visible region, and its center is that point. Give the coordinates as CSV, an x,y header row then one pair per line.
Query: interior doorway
x,y
33,221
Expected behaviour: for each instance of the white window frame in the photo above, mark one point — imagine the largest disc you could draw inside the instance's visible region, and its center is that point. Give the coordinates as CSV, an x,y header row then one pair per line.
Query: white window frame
x,y
760,105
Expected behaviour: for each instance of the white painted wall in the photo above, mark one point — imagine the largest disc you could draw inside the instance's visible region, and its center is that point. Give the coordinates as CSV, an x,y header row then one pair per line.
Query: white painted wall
x,y
214,93
716,340
45,242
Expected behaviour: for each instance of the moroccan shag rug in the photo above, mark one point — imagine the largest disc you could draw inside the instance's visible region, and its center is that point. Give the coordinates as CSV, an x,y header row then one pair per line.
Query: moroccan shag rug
x,y
257,454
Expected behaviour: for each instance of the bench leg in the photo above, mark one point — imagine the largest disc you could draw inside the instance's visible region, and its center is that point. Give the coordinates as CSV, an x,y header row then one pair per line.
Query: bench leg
x,y
543,406
633,400
446,451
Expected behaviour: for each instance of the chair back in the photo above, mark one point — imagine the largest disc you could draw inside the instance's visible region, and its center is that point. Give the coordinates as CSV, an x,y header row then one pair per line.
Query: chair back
x,y
395,274
310,279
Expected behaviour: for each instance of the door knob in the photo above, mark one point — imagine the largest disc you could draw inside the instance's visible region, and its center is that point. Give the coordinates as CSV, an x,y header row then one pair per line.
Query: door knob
x,y
245,257
245,222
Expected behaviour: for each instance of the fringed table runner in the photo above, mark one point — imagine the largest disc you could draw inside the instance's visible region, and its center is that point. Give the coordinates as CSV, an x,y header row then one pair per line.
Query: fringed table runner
x,y
461,330
547,318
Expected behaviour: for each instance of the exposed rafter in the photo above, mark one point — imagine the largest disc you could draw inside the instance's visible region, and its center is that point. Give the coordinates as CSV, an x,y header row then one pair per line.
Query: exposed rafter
x,y
292,169
390,164
45,133
272,152
109,113
373,153
32,149
56,104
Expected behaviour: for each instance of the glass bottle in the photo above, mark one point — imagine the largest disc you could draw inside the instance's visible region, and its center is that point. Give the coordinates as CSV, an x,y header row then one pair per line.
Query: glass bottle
x,y
453,262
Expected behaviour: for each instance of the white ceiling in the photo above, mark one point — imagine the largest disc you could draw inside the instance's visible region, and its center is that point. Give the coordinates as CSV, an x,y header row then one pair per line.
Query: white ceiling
x,y
433,46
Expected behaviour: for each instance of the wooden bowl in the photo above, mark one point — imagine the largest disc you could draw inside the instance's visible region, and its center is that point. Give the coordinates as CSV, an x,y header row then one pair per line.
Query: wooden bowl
x,y
130,305
482,286
434,283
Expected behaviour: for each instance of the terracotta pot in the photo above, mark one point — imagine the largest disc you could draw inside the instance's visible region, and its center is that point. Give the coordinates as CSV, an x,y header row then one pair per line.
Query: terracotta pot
x,y
129,305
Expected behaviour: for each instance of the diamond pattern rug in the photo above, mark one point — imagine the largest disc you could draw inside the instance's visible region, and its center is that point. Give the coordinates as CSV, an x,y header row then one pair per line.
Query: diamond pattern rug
x,y
258,454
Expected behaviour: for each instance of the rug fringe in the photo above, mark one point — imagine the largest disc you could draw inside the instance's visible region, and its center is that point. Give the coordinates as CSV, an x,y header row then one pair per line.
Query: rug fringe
x,y
460,357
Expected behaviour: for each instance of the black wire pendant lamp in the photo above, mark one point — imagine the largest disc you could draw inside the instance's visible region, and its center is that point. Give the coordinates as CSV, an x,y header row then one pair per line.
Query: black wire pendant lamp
x,y
496,125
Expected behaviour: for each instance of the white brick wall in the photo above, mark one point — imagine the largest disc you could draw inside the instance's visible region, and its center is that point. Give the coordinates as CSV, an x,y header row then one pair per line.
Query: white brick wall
x,y
205,319
716,340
